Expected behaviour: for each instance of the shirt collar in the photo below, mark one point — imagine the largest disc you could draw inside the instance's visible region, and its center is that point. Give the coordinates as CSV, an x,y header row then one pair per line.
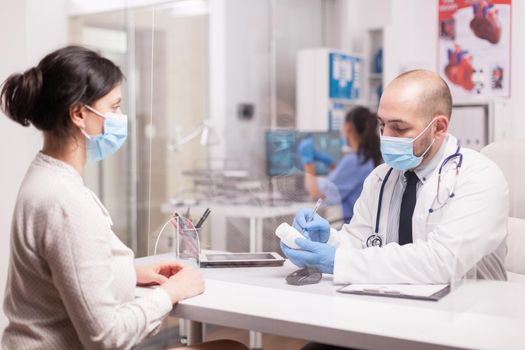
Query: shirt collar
x,y
66,169
424,171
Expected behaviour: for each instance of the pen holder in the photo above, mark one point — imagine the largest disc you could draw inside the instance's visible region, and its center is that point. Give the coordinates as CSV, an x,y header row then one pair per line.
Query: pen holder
x,y
187,246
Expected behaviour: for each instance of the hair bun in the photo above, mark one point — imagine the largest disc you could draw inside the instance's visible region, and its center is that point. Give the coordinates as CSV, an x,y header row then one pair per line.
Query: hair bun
x,y
20,93
34,74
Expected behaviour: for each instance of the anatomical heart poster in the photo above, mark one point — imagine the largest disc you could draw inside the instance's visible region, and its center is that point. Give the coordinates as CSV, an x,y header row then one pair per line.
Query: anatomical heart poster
x,y
474,47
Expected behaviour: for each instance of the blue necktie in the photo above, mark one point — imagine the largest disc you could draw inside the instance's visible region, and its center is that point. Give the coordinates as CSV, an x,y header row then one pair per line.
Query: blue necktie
x,y
408,204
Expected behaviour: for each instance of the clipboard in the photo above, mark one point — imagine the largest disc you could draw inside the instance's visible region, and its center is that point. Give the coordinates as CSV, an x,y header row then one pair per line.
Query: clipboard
x,y
428,292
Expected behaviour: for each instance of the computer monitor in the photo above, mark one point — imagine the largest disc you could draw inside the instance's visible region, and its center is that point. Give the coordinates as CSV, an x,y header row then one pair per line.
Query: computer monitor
x,y
282,155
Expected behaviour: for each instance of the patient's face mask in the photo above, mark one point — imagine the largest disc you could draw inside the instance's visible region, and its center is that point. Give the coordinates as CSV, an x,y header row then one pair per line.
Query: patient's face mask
x,y
398,152
115,133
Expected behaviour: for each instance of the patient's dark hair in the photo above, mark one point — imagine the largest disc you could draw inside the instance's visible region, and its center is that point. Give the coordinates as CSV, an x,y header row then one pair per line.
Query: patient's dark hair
x,y
365,124
43,95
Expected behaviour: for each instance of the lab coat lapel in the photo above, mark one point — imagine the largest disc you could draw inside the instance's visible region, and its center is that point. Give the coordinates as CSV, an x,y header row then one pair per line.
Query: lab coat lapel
x,y
428,193
387,197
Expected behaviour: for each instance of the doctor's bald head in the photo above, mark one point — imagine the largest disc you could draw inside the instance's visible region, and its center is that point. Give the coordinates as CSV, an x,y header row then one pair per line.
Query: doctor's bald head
x,y
420,93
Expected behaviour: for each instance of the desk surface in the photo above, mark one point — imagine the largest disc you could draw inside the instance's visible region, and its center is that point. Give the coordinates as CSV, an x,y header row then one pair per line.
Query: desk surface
x,y
482,315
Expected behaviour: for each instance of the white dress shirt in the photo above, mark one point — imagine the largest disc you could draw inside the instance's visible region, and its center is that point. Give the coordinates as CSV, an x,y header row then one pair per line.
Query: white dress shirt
x,y
423,172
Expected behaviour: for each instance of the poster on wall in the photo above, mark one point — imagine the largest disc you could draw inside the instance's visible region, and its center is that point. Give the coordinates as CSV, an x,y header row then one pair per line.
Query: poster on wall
x,y
474,47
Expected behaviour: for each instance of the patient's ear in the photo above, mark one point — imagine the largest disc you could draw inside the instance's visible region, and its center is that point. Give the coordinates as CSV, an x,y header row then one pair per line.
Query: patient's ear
x,y
77,116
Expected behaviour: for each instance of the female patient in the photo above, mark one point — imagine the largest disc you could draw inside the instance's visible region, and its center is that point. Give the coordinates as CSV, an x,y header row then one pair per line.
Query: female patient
x,y
71,280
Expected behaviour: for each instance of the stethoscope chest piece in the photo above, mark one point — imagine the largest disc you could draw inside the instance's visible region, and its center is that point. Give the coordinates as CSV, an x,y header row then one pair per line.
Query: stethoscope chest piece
x,y
374,241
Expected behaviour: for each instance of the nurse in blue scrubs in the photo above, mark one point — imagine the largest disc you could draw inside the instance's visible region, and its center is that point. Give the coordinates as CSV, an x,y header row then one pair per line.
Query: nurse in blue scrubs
x,y
345,180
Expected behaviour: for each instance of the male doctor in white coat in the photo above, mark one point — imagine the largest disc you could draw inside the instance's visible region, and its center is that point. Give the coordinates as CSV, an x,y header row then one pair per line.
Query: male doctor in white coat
x,y
424,235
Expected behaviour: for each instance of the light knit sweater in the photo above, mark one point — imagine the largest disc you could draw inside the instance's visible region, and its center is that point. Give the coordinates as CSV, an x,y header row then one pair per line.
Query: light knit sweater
x,y
71,280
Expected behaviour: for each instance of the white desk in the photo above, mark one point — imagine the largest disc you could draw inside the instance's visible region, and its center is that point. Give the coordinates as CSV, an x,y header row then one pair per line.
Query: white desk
x,y
484,315
256,214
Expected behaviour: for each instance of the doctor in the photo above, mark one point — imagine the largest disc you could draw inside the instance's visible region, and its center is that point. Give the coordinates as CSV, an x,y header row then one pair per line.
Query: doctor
x,y
432,213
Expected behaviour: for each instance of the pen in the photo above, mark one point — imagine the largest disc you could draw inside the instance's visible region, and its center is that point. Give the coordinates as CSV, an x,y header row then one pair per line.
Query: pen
x,y
181,222
314,210
311,216
203,218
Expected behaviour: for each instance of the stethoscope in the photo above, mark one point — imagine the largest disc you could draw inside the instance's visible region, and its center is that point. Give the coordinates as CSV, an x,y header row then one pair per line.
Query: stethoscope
x,y
375,240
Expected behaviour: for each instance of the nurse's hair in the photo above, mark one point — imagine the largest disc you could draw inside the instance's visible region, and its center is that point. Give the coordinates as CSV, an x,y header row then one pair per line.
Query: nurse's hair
x,y
365,125
44,95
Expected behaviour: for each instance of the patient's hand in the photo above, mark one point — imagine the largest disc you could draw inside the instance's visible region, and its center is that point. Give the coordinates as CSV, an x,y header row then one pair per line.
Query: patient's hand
x,y
186,283
157,273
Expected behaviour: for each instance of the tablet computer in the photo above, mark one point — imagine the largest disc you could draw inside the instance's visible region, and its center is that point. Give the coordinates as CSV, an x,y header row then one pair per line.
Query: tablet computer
x,y
241,259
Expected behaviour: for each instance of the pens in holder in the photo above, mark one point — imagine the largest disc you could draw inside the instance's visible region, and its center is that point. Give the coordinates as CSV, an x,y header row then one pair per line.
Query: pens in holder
x,y
183,223
179,221
203,218
173,220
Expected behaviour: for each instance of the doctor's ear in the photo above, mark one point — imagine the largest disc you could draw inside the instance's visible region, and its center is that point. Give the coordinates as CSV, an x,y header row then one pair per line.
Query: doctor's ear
x,y
441,126
77,115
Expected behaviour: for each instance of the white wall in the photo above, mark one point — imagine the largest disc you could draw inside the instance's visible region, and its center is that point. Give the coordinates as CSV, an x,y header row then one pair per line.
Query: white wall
x,y
28,30
517,105
410,37
247,79
362,16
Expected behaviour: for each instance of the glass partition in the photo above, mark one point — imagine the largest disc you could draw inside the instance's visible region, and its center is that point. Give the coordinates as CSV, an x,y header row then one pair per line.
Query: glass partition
x,y
209,89
107,33
163,51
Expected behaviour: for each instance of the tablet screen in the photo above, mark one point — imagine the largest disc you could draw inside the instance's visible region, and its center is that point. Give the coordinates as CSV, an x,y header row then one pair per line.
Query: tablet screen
x,y
230,257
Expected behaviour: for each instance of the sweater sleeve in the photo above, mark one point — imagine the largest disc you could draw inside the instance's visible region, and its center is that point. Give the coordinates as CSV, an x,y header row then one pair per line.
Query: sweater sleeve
x,y
79,254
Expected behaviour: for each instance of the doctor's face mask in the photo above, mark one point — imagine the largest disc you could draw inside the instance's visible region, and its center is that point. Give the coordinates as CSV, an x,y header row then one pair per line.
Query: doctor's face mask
x,y
398,152
115,133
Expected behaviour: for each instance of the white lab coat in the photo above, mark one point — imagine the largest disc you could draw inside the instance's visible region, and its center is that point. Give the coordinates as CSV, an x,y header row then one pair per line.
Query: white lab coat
x,y
469,231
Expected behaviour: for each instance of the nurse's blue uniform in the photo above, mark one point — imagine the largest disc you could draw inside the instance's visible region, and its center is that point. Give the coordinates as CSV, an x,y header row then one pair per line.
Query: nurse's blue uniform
x,y
345,183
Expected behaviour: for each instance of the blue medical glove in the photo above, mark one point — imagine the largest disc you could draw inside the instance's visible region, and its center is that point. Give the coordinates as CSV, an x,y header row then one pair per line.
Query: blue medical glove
x,y
323,158
318,230
306,150
288,252
312,254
